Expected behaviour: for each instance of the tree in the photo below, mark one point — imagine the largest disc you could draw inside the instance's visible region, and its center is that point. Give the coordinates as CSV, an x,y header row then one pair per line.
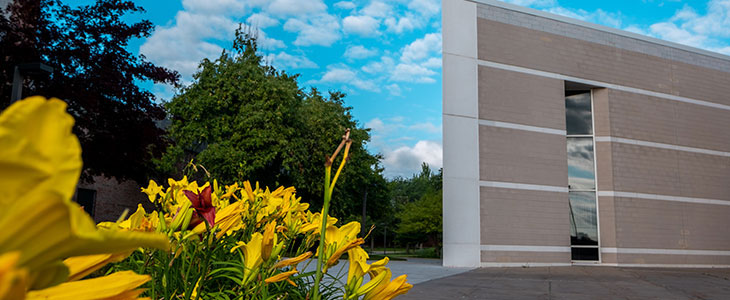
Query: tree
x,y
95,74
244,120
419,202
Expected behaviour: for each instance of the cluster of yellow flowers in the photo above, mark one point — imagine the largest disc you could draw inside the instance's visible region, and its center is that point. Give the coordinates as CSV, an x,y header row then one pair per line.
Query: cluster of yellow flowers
x,y
49,244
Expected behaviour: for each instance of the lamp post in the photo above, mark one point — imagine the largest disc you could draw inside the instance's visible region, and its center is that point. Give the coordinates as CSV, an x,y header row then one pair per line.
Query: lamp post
x,y
19,74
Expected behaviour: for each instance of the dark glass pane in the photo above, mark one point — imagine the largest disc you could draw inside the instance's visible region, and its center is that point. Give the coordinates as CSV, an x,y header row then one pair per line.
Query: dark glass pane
x,y
86,199
580,164
583,221
584,253
578,114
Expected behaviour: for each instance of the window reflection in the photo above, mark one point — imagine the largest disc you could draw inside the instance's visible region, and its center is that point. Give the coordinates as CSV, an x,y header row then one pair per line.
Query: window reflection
x,y
578,113
580,163
583,221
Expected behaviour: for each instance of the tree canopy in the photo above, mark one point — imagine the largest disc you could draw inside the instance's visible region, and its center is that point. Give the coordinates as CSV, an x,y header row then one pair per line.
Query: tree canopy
x,y
94,73
244,120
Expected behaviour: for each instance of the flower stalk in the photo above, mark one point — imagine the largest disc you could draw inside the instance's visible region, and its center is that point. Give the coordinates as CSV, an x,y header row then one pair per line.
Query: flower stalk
x,y
328,189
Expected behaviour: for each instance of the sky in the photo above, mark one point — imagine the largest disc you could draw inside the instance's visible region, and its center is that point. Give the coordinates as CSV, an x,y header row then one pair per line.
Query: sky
x,y
384,54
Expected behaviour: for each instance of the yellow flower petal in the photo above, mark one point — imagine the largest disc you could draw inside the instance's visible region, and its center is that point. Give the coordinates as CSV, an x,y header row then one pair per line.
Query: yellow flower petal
x,y
293,261
120,285
12,280
39,151
80,266
281,276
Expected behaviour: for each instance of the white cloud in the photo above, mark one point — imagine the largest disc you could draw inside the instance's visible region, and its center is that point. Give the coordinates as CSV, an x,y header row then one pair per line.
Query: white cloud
x,y
296,7
322,29
375,124
343,74
433,63
384,65
377,9
345,5
359,52
215,7
426,8
362,25
182,45
412,73
285,61
260,20
406,161
393,89
402,24
422,48
425,126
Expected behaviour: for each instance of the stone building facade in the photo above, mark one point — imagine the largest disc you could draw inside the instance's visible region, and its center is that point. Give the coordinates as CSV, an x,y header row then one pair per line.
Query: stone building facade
x,y
567,143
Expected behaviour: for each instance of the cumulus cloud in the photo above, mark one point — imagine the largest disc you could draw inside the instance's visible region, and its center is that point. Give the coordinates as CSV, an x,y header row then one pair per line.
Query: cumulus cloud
x,y
296,7
362,25
422,48
286,61
393,89
412,73
406,161
185,43
345,5
426,8
377,9
261,20
425,126
385,64
359,52
402,24
322,29
702,31
345,75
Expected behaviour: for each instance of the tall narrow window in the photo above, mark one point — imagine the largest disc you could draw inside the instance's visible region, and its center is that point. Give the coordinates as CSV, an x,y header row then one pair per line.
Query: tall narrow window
x,y
86,198
581,176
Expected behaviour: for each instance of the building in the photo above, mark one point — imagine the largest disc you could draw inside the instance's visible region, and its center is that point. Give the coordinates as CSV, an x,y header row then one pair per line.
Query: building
x,y
567,142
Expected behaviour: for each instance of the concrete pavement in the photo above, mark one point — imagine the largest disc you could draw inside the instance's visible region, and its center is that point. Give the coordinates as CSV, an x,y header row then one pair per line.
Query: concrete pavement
x,y
591,282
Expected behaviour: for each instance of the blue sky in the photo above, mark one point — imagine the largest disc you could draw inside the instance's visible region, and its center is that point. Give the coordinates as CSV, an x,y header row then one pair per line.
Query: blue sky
x,y
385,54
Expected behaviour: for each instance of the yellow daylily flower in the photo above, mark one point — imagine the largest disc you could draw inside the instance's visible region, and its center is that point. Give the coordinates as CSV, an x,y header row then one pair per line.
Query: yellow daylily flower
x,y
314,221
119,285
12,279
38,171
251,255
39,151
340,240
269,240
293,261
152,190
386,289
282,276
80,266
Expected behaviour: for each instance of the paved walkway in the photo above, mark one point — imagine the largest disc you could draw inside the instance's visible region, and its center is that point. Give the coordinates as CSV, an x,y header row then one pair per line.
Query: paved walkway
x,y
575,283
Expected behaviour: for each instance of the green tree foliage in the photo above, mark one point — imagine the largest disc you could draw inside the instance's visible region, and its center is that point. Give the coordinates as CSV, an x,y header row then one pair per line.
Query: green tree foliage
x,y
94,73
419,202
244,120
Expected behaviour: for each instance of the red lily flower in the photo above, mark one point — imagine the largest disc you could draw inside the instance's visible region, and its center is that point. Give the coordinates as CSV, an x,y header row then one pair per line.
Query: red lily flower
x,y
203,205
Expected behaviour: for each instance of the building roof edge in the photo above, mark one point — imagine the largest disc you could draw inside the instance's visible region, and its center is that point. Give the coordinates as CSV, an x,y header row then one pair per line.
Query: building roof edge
x,y
628,34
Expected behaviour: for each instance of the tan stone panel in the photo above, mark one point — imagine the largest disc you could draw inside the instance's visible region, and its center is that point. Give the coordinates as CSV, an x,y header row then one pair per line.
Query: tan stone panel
x,y
643,169
703,175
604,166
653,224
706,226
702,127
607,221
609,258
653,119
601,112
640,117
511,155
652,259
525,257
521,98
521,217
534,49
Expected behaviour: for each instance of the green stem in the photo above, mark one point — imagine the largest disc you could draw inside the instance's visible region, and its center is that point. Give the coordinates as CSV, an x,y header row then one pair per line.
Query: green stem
x,y
322,231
